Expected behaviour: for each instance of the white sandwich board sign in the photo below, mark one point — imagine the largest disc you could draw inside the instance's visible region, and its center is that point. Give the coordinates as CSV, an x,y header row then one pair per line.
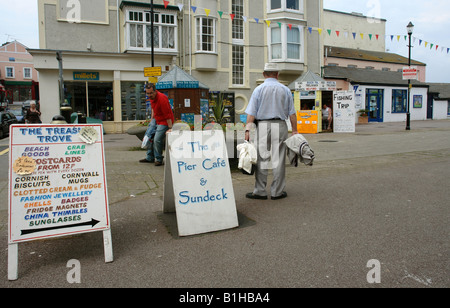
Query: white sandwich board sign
x,y
57,184
344,111
198,182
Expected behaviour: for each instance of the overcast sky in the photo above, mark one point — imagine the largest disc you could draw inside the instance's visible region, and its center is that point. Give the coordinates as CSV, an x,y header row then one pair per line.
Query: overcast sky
x,y
431,18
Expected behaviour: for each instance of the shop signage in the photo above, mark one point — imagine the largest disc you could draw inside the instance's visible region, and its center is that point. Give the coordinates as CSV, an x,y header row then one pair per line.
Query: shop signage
x,y
410,73
57,184
86,76
344,111
188,84
315,86
308,122
164,85
198,182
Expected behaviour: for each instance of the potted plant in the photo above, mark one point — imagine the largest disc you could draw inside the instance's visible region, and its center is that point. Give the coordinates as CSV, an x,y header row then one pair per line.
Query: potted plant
x,y
363,116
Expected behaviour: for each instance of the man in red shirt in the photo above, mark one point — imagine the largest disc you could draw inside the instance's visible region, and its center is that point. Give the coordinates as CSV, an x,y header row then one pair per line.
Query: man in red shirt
x,y
162,113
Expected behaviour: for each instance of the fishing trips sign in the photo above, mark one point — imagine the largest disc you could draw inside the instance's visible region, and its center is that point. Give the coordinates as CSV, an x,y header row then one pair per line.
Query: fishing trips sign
x,y
57,181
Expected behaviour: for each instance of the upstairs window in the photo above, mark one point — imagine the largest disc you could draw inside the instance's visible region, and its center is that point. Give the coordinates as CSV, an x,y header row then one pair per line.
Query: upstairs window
x,y
206,34
285,5
139,35
286,44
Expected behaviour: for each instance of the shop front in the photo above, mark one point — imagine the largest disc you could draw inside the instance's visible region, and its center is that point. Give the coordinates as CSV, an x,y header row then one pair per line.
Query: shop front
x,y
103,86
311,93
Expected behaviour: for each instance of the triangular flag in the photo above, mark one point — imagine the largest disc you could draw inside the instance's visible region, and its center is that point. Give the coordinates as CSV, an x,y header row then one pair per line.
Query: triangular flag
x,y
405,37
426,43
310,30
346,34
437,47
194,8
320,31
220,13
377,36
207,11
420,42
448,50
370,36
392,37
337,33
398,38
290,26
232,16
329,31
268,23
431,46
166,3
180,6
362,35
279,24
244,18
257,20
354,35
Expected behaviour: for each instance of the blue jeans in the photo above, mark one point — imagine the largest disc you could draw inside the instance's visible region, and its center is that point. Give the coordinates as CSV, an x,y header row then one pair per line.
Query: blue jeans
x,y
159,143
151,130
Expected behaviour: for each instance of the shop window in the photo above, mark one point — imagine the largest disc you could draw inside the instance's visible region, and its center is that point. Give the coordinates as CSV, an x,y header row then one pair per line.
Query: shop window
x,y
399,101
94,99
134,105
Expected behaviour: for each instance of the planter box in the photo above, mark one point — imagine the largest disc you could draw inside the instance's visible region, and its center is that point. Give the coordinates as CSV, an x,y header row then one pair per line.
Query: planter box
x,y
363,120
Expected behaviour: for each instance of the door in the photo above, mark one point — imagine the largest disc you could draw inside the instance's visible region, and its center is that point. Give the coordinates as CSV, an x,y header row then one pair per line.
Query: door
x,y
375,103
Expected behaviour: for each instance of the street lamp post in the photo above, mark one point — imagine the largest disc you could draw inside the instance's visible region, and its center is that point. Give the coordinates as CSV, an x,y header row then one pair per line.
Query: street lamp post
x,y
410,29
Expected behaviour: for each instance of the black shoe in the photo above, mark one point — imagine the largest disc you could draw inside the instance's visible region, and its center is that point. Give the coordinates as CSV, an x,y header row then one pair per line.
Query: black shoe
x,y
158,163
283,195
145,161
252,196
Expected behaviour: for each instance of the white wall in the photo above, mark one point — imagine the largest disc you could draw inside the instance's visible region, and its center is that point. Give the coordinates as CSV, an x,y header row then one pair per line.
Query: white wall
x,y
440,110
417,114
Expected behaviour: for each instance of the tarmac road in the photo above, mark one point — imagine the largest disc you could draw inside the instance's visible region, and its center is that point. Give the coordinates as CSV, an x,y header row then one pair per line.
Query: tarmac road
x,y
379,194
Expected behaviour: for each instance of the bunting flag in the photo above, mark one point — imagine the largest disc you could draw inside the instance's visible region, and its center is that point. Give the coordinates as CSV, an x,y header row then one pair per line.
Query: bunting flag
x,y
337,32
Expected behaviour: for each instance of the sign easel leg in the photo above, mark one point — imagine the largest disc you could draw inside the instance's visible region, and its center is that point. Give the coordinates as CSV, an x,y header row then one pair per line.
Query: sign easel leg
x,y
107,243
13,261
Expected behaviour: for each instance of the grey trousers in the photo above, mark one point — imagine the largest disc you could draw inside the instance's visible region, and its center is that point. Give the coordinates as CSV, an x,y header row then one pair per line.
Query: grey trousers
x,y
270,137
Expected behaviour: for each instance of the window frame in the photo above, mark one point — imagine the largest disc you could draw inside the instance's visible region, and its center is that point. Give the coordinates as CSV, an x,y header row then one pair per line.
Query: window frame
x,y
13,71
159,24
404,96
284,44
30,70
199,36
284,8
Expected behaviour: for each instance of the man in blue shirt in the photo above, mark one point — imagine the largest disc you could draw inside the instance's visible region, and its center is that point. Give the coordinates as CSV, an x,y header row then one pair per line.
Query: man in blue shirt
x,y
270,106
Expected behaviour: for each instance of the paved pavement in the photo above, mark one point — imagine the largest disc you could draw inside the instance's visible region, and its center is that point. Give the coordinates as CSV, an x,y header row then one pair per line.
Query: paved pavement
x,y
379,194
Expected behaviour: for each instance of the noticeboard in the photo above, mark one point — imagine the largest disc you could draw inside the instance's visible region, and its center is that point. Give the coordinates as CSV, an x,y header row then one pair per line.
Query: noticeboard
x,y
57,181
198,181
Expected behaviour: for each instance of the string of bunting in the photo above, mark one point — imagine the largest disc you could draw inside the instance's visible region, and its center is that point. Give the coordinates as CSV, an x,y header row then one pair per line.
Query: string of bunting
x,y
338,33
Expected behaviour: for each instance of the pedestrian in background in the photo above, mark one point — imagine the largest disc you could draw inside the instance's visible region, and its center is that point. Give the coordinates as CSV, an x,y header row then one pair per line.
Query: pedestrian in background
x,y
270,106
33,116
163,115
